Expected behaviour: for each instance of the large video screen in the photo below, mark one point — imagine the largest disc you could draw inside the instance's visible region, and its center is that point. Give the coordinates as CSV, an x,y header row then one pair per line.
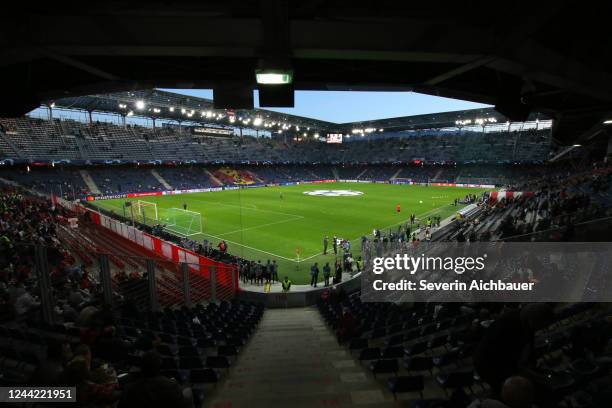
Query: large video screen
x,y
334,138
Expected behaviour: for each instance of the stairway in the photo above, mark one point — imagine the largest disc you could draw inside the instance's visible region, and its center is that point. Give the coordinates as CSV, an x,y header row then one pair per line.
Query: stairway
x,y
294,360
438,173
361,174
12,145
213,178
335,172
397,173
82,149
89,181
161,180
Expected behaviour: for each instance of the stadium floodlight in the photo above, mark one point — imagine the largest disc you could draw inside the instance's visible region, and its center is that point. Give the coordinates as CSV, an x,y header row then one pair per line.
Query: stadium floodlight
x,y
171,109
130,113
52,105
381,130
257,121
140,105
577,145
274,77
183,111
608,122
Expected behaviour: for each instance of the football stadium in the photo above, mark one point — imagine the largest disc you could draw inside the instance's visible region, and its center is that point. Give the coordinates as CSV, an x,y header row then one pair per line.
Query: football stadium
x,y
289,223
307,204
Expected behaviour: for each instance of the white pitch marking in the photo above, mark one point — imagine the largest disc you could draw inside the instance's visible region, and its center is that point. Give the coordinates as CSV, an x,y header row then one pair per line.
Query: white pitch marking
x,y
262,225
244,207
246,246
389,226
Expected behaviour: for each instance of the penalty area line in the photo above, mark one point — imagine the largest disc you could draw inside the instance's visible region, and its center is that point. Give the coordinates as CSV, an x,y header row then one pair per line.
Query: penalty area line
x,y
295,218
383,228
246,246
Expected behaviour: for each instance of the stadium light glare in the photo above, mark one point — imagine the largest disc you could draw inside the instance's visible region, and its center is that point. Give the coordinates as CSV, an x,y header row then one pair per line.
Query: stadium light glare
x,y
171,109
608,122
273,77
140,105
257,121
183,111
577,145
52,105
130,113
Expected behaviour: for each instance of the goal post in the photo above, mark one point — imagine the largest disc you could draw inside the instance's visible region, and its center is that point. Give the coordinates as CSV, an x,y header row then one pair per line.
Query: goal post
x,y
184,222
402,180
145,211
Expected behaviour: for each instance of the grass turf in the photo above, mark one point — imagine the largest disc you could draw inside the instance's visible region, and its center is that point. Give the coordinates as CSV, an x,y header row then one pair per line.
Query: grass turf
x,y
258,224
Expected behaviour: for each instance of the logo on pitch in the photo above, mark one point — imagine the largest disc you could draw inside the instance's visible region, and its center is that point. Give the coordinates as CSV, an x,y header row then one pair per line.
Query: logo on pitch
x,y
334,193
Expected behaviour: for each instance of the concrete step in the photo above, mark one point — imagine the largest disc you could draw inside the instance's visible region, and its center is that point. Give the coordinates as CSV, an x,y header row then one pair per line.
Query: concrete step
x,y
295,360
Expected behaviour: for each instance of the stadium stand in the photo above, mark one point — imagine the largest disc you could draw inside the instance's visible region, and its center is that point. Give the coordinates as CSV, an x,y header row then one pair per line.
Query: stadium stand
x,y
38,139
134,330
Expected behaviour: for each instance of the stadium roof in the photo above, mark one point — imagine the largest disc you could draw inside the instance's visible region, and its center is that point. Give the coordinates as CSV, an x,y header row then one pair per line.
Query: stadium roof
x,y
551,57
172,106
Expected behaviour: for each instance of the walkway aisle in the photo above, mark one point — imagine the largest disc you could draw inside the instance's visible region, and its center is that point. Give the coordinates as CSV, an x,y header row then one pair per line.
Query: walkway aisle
x,y
293,360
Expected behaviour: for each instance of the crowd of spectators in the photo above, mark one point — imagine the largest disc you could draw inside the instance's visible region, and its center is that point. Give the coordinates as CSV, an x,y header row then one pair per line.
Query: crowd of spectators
x,y
40,140
87,343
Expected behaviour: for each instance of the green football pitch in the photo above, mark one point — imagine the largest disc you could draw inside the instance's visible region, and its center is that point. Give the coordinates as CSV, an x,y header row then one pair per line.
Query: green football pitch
x,y
288,223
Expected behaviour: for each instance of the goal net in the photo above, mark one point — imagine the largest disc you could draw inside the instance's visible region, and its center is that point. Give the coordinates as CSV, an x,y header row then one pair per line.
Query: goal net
x,y
402,180
145,212
184,222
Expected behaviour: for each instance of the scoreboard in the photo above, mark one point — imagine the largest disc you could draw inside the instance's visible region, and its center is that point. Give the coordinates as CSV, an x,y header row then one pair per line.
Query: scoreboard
x,y
212,132
334,138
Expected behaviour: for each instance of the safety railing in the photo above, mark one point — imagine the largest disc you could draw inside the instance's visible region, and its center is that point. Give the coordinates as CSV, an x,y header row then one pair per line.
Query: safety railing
x,y
60,279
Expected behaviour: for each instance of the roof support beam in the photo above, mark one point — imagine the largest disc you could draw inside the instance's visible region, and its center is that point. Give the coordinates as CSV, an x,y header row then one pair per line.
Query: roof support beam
x,y
459,70
78,65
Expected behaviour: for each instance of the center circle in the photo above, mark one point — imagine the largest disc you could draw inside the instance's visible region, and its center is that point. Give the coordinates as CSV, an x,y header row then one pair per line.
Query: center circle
x,y
334,193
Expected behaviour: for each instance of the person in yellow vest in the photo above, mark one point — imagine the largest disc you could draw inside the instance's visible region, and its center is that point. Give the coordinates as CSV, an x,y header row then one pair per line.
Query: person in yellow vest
x,y
286,284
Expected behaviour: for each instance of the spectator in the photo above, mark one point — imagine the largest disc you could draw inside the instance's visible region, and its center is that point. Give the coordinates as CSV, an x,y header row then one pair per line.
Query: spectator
x,y
152,389
506,348
347,327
